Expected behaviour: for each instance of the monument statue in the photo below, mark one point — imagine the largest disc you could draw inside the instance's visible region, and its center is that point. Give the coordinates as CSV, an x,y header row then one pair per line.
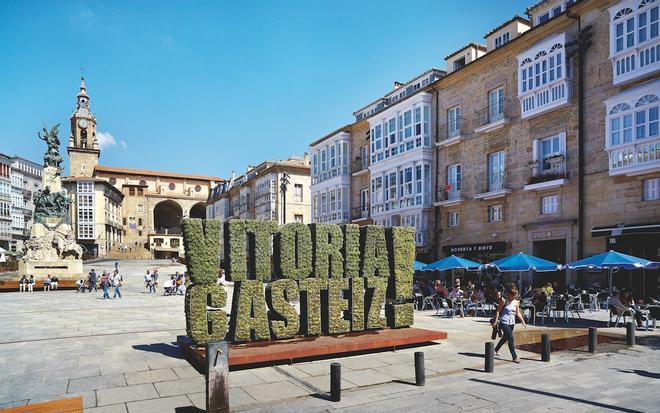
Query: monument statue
x,y
52,248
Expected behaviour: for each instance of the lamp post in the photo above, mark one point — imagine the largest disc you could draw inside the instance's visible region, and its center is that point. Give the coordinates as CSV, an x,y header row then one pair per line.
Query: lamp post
x,y
284,183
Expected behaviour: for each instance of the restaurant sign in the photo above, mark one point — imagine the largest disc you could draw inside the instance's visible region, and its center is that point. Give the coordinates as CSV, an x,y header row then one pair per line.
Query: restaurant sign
x,y
475,249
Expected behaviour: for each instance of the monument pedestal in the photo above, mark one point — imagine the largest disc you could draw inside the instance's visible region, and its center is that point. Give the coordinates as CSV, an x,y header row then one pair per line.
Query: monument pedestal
x,y
63,269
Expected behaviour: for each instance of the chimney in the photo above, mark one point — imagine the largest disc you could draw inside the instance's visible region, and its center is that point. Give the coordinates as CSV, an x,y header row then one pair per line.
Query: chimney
x,y
306,158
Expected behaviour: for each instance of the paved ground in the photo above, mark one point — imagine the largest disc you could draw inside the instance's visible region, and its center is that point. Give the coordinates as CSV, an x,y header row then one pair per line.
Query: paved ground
x,y
121,357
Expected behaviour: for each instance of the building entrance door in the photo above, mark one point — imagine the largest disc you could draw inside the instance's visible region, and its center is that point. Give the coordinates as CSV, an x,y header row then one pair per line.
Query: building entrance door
x,y
552,250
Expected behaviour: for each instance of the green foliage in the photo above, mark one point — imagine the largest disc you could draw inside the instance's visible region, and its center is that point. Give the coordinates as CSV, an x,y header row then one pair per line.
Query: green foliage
x,y
201,240
249,313
310,305
375,261
357,303
328,242
401,246
235,254
337,304
351,250
285,322
375,297
256,235
199,319
295,251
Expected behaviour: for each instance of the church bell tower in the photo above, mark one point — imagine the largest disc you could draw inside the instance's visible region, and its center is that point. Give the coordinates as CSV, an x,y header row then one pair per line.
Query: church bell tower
x,y
83,148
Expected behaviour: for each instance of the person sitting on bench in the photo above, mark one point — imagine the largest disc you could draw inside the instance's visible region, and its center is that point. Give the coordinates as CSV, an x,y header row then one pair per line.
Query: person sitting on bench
x,y
31,283
22,284
47,282
53,283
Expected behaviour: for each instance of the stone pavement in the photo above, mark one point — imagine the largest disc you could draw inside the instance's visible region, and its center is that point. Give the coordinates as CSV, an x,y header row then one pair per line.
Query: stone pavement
x,y
120,356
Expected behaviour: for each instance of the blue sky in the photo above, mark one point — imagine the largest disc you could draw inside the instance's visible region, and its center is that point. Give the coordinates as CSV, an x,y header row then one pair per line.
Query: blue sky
x,y
210,87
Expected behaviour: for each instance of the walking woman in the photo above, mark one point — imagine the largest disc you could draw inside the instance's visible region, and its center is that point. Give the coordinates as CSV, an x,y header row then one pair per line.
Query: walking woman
x,y
506,315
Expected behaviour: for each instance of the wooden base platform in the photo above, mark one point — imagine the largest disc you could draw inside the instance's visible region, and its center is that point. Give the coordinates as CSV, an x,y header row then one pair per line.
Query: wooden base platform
x,y
303,348
70,405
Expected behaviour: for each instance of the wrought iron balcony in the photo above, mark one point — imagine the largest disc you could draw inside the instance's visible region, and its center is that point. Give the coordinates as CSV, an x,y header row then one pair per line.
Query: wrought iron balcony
x,y
359,165
448,196
493,116
492,185
453,132
359,213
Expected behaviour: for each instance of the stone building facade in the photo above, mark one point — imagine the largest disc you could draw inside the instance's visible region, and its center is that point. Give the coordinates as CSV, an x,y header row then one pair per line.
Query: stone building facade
x,y
529,157
258,194
122,211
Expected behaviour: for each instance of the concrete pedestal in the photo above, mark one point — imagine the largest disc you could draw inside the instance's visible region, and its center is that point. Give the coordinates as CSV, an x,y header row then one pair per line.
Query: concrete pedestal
x,y
63,269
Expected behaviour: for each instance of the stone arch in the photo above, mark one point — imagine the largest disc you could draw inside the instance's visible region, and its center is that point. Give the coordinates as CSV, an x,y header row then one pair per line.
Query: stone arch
x,y
167,217
198,211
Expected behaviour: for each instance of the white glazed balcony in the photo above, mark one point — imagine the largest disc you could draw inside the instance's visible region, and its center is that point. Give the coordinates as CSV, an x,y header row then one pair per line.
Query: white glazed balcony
x,y
543,99
640,157
634,62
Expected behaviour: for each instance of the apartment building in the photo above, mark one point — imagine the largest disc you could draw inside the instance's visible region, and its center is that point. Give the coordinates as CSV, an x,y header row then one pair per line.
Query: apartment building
x,y
19,180
5,201
378,169
526,155
271,191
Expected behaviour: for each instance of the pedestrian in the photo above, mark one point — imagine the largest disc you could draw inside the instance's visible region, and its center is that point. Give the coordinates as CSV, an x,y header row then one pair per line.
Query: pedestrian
x,y
54,282
31,283
105,284
22,284
506,316
47,282
152,284
155,278
116,266
92,280
116,282
147,281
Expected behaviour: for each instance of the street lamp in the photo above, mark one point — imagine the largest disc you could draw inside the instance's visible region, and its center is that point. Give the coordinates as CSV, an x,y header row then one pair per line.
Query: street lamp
x,y
284,183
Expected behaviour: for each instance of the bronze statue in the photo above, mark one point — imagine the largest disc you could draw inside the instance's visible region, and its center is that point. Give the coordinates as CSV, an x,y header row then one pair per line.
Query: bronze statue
x,y
52,156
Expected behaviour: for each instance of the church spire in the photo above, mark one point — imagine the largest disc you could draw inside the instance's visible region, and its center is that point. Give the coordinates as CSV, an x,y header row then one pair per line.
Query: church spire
x,y
83,89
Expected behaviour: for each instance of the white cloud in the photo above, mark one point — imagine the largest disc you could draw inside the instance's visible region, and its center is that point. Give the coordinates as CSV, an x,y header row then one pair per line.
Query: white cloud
x,y
105,140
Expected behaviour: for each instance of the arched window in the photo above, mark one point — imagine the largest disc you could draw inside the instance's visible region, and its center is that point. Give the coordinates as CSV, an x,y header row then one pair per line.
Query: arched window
x,y
621,123
646,117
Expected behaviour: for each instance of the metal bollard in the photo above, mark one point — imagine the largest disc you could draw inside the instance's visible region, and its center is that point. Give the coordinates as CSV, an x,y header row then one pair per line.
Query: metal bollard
x,y
545,347
630,333
593,339
335,382
490,357
420,375
217,377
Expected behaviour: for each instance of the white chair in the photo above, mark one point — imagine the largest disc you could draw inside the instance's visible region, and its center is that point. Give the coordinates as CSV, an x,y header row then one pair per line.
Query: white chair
x,y
619,314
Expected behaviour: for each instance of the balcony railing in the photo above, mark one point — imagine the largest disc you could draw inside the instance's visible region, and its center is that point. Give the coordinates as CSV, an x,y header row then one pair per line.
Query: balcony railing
x,y
452,131
545,98
492,185
27,193
635,158
636,61
168,231
493,114
448,195
360,213
360,164
547,169
415,200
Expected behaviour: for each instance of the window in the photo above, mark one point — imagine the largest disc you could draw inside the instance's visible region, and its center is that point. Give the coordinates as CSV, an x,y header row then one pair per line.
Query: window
x,y
454,177
645,117
298,218
454,122
496,170
453,219
495,105
175,243
298,193
495,213
549,204
544,17
140,191
458,63
390,182
131,191
364,200
172,186
651,189
633,39
502,39
546,66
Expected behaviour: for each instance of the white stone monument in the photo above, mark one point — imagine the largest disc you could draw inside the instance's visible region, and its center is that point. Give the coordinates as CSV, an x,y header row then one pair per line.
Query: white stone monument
x,y
52,248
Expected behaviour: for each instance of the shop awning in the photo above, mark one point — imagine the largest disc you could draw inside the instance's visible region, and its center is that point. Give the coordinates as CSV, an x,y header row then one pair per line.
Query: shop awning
x,y
625,229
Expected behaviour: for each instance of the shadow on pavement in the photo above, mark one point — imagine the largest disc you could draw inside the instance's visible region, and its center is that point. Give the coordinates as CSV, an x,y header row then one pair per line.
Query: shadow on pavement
x,y
559,396
166,349
188,409
642,373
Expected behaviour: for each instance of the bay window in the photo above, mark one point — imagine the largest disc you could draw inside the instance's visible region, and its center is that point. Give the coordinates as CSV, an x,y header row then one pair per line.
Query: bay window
x,y
634,41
